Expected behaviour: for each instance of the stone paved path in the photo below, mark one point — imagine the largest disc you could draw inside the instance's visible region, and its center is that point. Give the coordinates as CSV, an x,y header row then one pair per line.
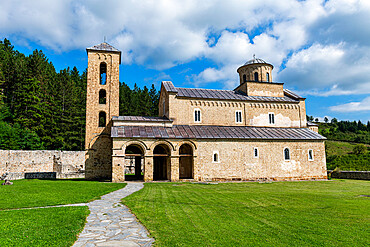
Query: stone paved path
x,y
110,223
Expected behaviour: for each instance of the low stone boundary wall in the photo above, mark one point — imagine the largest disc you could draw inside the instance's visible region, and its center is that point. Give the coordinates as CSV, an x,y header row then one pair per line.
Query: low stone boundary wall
x,y
362,175
66,164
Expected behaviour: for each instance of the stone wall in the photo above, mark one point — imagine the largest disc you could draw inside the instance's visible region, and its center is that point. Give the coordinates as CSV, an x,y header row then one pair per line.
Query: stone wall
x,y
361,175
222,112
66,164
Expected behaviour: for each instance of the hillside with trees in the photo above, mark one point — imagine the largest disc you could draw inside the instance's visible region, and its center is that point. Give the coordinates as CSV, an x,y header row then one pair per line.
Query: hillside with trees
x,y
348,144
41,108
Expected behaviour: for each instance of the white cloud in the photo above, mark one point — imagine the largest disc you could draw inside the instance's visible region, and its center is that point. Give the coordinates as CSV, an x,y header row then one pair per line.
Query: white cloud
x,y
363,105
339,69
319,47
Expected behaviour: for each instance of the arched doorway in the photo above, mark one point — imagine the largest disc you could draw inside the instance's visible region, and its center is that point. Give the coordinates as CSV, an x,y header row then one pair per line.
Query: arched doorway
x,y
133,163
186,162
161,158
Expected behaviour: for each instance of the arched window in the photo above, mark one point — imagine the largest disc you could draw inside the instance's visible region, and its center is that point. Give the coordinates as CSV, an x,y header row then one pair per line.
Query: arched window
x,y
102,96
267,76
103,73
102,119
244,78
286,154
255,76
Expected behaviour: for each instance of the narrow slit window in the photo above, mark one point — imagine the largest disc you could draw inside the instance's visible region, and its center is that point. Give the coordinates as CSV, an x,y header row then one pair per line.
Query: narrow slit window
x,y
271,118
164,107
255,76
286,154
238,116
267,76
197,117
103,73
102,96
102,119
255,152
215,157
310,154
244,78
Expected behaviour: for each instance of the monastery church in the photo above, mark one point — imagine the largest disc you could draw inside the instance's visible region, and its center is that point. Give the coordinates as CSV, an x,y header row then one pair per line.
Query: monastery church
x,y
258,131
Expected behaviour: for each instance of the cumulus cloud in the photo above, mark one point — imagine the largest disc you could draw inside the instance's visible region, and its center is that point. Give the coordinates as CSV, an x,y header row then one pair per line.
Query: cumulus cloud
x,y
363,105
318,47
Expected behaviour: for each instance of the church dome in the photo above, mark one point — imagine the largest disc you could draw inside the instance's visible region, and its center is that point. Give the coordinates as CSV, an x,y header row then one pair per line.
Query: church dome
x,y
255,60
255,69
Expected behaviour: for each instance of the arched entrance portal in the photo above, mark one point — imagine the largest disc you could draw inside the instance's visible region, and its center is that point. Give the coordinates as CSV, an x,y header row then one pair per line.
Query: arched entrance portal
x,y
161,158
134,156
186,162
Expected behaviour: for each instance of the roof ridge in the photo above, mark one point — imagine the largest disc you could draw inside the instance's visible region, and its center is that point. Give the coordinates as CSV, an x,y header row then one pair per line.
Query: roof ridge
x,y
206,89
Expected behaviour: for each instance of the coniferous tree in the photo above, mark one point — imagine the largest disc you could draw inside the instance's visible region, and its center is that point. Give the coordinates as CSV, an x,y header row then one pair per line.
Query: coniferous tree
x,y
43,109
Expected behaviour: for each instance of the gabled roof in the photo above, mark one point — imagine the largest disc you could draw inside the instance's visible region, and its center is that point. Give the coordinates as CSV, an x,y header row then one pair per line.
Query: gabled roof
x,y
168,85
214,132
198,93
226,95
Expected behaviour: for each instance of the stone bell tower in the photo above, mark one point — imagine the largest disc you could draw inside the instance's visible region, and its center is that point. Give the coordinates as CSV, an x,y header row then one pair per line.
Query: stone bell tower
x,y
102,103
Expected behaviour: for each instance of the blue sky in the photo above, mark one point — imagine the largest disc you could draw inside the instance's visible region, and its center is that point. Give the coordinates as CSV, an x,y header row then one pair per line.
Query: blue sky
x,y
320,49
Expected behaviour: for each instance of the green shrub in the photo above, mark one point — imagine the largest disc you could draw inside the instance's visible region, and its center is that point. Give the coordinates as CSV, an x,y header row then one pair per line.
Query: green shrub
x,y
359,149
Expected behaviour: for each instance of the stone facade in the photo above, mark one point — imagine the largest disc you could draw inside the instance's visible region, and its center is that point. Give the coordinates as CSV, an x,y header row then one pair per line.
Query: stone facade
x,y
66,164
236,161
253,114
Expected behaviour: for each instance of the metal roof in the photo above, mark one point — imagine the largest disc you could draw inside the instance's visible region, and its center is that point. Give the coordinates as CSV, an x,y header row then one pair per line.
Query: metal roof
x,y
292,94
103,47
168,85
309,123
227,95
255,60
141,119
214,132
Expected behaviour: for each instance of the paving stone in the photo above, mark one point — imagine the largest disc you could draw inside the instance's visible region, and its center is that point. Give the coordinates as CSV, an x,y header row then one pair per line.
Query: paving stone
x,y
111,223
119,243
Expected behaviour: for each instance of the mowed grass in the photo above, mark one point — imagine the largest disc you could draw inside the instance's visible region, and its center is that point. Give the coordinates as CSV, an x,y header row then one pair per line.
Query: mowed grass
x,y
320,213
36,193
42,227
46,226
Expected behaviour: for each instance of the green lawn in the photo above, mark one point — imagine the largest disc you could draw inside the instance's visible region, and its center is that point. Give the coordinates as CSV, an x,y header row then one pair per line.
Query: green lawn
x,y
325,213
35,193
46,226
42,227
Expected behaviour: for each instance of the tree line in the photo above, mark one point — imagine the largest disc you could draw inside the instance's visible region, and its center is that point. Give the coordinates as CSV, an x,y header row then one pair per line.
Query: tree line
x,y
351,131
41,108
